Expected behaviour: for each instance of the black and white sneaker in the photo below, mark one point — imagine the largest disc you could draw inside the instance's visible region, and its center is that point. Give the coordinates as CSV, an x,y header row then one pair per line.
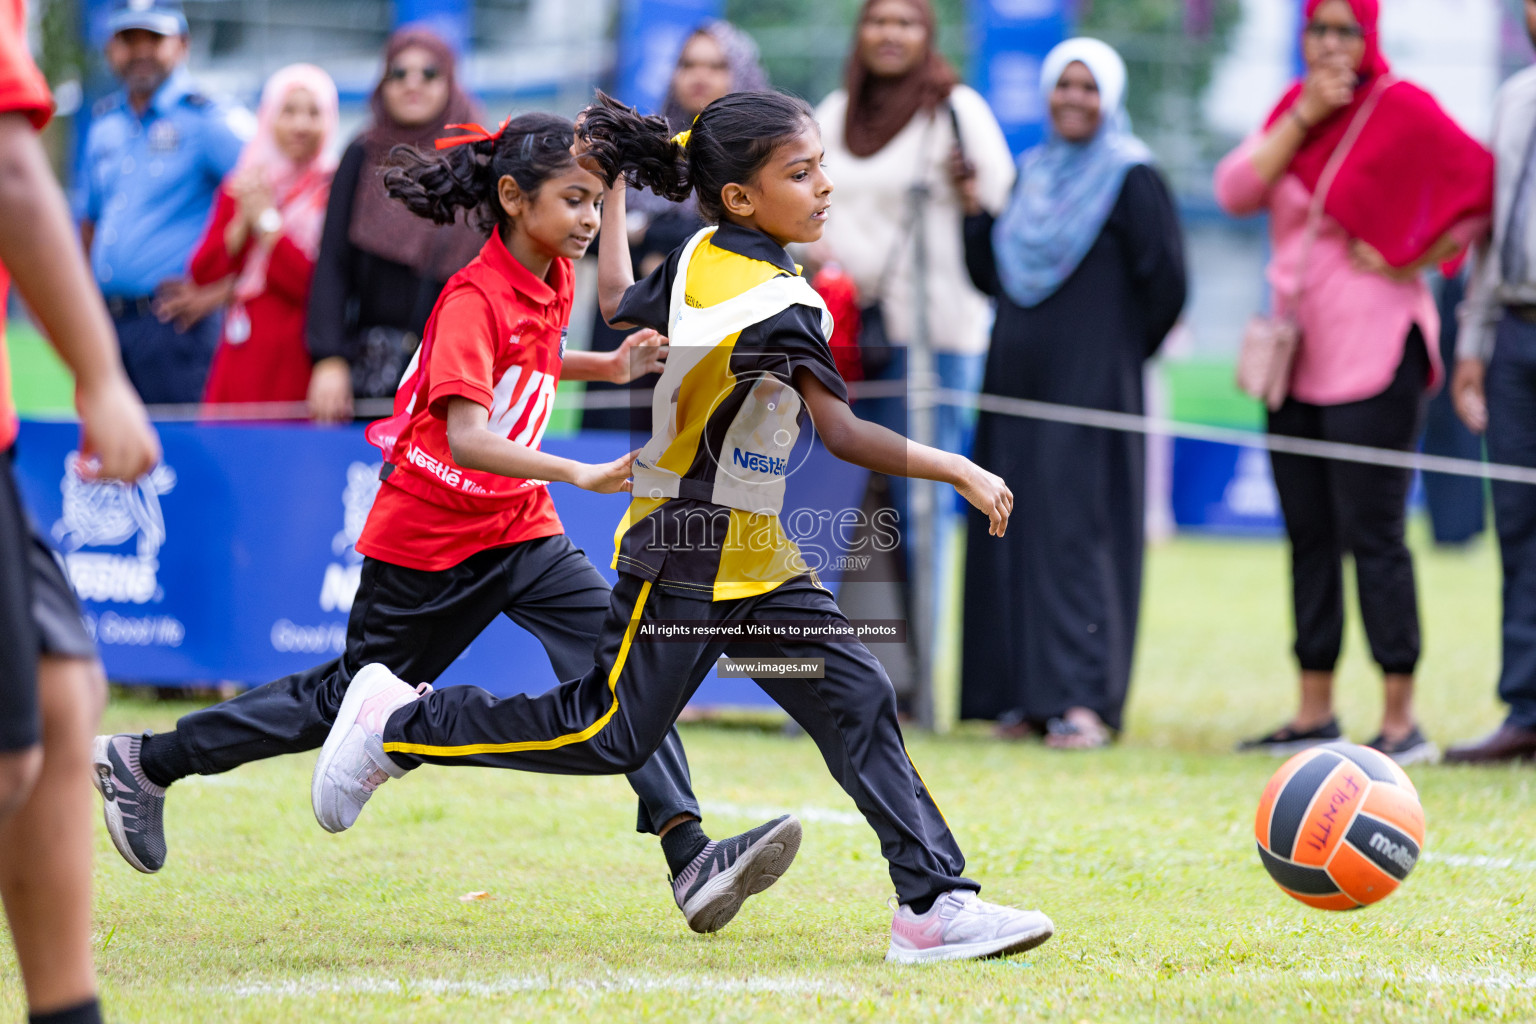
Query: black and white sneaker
x,y
714,885
1414,748
132,804
1288,740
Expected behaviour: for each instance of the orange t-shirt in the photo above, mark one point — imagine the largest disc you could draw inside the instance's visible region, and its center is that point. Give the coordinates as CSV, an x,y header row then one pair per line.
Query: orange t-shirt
x,y
497,337
22,91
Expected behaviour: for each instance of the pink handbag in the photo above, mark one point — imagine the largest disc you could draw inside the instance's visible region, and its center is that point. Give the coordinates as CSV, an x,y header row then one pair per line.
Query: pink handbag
x,y
1270,341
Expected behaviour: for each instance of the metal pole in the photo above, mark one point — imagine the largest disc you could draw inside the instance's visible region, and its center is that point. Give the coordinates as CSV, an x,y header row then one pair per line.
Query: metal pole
x,y
921,385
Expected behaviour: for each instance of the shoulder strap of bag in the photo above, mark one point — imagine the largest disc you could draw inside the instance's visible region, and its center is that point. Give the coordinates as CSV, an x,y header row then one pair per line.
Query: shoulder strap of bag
x,y
1325,182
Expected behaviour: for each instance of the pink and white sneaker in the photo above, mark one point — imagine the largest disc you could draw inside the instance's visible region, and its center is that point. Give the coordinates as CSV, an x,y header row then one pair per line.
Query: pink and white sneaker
x,y
962,926
352,764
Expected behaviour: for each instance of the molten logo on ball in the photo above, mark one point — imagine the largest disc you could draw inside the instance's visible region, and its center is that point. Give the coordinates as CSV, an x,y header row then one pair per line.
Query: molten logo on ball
x,y
1339,826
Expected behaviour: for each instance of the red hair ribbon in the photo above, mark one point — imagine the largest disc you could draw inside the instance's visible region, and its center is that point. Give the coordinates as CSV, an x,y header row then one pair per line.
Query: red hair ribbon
x,y
476,133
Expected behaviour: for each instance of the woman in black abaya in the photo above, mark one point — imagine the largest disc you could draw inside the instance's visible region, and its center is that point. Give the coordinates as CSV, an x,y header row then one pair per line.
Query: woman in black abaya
x,y
1087,267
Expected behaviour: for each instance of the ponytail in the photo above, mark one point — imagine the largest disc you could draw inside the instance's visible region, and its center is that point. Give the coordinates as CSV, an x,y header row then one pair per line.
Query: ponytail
x,y
530,149
643,149
730,141
437,186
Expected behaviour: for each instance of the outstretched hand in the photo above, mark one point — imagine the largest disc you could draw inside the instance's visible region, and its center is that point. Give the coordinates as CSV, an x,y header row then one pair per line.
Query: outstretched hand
x,y
989,494
607,478
640,353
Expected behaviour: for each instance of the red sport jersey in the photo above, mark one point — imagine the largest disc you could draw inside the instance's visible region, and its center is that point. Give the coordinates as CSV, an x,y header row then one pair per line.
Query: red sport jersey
x,y
496,337
22,91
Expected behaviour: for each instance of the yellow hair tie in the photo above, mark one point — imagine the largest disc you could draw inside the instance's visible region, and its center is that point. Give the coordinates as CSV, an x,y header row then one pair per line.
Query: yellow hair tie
x,y
682,137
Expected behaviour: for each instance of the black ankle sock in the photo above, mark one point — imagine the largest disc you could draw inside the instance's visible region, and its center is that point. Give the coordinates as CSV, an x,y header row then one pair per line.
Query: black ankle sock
x,y
85,1013
922,906
164,759
682,844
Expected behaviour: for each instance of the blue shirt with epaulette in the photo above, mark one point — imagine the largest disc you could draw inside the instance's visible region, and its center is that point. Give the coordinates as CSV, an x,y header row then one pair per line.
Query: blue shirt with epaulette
x,y
148,182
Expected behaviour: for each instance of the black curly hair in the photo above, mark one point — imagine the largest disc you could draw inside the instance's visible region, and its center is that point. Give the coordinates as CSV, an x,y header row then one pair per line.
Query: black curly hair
x,y
730,141
531,149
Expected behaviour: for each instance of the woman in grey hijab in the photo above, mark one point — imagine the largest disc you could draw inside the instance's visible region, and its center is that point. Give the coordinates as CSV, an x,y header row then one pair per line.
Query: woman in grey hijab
x,y
717,58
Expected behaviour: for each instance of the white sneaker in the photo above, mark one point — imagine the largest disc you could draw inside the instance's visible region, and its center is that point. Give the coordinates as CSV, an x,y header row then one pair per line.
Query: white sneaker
x,y
352,764
962,926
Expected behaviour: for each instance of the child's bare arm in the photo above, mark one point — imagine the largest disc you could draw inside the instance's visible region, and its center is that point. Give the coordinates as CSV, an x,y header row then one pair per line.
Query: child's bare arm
x,y
39,247
475,447
884,451
641,353
615,272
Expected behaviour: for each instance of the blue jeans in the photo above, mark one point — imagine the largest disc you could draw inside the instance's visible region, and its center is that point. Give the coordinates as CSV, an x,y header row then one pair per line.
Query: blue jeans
x,y
1511,390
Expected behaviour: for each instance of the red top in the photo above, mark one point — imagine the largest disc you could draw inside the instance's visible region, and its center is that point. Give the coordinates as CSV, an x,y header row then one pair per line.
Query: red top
x,y
22,91
261,356
1399,205
496,337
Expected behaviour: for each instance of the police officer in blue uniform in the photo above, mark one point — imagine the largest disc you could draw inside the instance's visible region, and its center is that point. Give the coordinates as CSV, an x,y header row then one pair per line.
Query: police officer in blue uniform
x,y
154,156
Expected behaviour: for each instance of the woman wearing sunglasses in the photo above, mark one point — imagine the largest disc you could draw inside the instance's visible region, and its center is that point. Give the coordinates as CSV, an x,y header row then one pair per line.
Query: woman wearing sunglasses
x,y
380,269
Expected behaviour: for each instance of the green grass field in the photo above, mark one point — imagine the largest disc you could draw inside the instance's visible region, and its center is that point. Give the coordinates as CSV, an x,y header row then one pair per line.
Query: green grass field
x,y
1142,854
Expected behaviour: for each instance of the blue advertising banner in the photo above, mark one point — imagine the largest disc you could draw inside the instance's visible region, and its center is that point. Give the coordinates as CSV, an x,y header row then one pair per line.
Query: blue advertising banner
x,y
448,18
235,559
651,34
1224,489
1009,39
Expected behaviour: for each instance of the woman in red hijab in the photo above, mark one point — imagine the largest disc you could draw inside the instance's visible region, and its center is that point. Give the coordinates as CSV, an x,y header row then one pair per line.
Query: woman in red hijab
x,y
1409,190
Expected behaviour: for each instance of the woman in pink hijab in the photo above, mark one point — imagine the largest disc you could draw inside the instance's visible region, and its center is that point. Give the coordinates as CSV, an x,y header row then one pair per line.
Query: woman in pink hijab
x,y
265,232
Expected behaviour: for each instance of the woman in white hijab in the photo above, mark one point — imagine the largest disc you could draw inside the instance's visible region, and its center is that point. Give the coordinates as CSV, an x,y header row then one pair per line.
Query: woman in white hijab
x,y
1087,267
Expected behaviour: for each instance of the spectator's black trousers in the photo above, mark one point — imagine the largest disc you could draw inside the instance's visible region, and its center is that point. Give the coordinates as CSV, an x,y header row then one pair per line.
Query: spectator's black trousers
x,y
1511,390
1332,508
416,623
611,719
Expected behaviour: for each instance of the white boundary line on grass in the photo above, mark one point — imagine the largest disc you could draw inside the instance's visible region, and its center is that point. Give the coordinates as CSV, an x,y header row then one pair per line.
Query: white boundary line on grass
x,y
506,984
1463,860
1428,976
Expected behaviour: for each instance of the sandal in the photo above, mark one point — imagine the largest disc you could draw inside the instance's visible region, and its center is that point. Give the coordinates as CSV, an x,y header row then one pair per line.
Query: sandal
x,y
1012,725
1065,734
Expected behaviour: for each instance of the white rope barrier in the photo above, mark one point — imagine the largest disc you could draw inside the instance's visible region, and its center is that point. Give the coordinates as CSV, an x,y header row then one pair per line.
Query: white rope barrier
x,y
1049,412
1137,424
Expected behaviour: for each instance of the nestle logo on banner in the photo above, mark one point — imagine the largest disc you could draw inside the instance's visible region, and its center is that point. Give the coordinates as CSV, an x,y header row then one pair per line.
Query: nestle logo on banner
x,y
108,514
760,463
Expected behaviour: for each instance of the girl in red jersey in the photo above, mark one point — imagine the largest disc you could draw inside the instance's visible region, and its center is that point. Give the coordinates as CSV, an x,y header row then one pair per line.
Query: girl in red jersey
x,y
463,528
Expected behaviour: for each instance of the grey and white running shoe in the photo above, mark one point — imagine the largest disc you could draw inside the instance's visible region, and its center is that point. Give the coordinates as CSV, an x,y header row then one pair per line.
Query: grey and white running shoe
x,y
133,806
714,885
962,926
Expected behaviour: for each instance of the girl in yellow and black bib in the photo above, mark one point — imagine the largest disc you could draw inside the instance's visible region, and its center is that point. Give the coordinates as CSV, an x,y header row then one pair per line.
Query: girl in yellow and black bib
x,y
701,546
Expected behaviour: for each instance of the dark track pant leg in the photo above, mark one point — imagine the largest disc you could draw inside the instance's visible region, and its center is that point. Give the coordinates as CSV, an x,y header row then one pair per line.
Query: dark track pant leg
x,y
1511,388
563,603
413,622
607,722
851,715
1317,574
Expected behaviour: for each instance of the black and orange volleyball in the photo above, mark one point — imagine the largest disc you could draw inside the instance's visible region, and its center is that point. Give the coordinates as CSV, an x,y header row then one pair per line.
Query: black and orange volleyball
x,y
1339,826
